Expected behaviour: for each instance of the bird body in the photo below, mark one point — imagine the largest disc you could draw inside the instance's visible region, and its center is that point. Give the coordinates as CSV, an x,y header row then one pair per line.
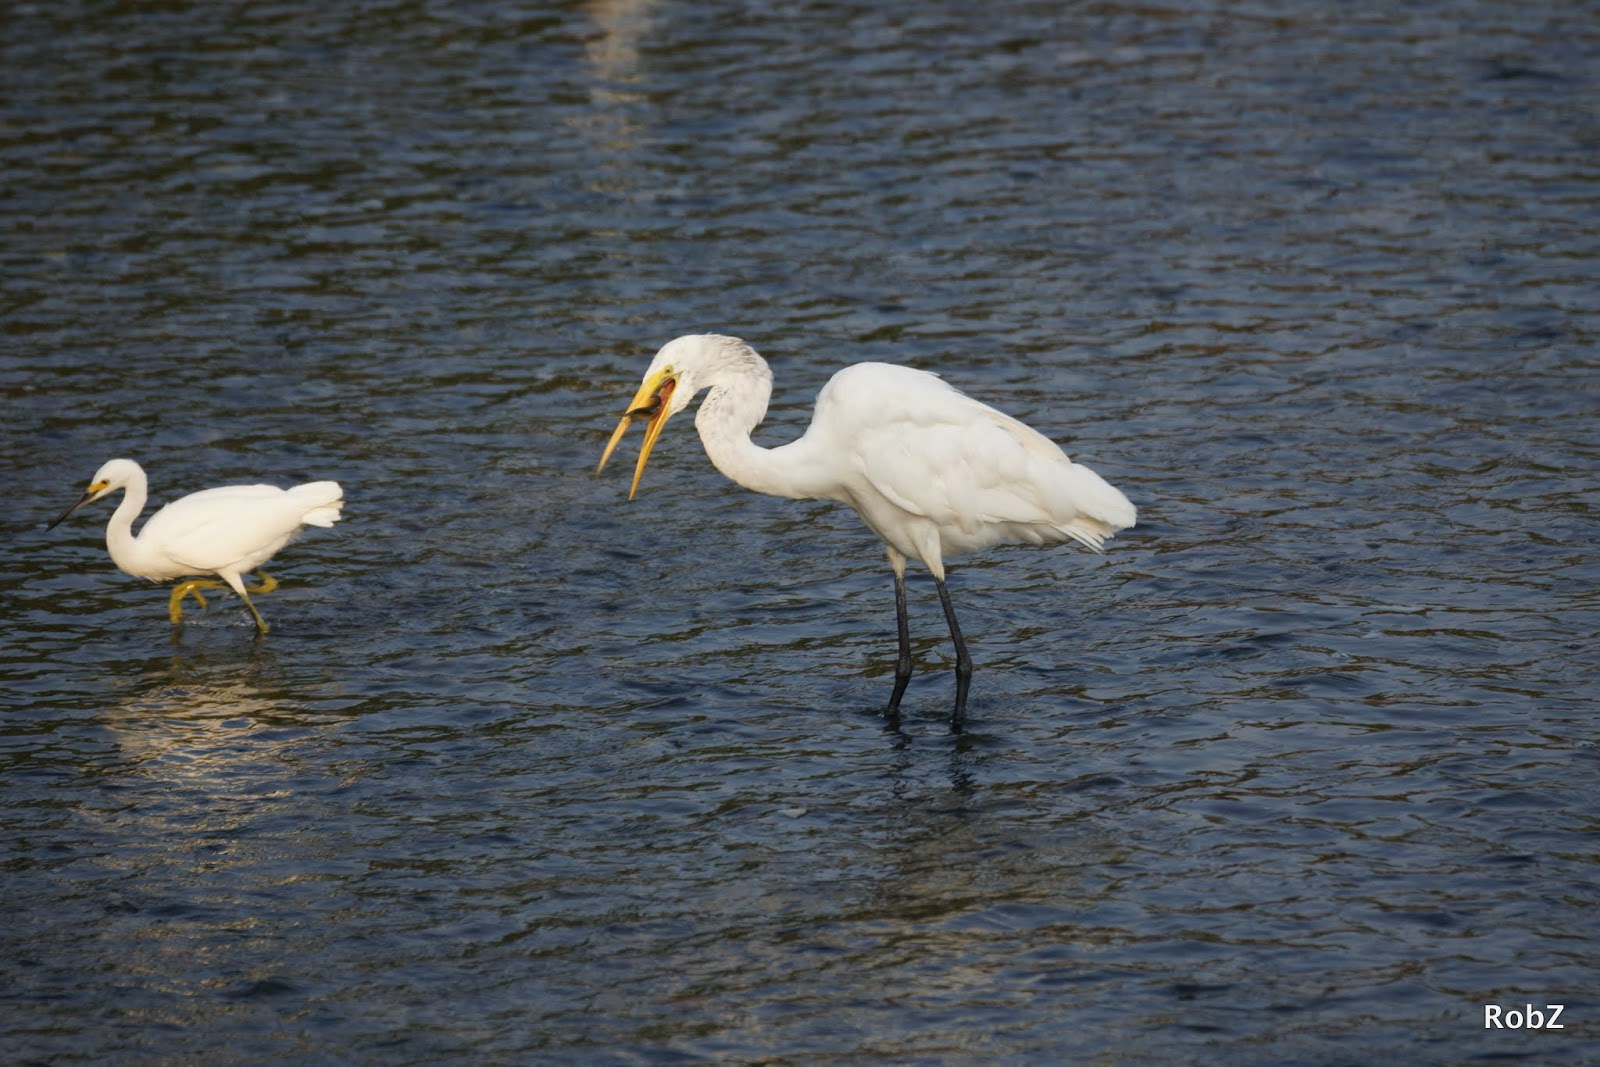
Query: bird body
x,y
234,526
230,531
936,474
931,471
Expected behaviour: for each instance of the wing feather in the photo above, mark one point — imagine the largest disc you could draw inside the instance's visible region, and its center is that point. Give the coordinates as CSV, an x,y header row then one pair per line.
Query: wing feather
x,y
977,474
238,524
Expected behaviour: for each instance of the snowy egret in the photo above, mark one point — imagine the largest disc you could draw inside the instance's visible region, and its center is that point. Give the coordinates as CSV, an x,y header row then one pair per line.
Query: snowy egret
x,y
230,531
931,471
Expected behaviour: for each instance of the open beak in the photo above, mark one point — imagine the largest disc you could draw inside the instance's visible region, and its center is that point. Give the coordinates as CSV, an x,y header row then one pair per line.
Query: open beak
x,y
93,493
652,403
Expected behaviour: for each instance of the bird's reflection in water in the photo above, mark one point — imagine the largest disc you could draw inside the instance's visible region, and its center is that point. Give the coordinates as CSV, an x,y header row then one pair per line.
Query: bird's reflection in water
x,y
613,49
212,724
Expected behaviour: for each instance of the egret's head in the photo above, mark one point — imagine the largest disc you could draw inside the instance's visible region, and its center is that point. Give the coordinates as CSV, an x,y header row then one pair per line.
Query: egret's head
x,y
114,474
667,388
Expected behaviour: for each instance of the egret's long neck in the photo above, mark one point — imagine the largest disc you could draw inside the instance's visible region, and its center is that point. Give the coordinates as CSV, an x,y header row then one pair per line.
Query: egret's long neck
x,y
734,406
124,547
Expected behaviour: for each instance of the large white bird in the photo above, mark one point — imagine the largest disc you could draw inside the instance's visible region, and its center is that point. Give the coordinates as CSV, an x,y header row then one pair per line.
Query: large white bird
x,y
230,531
931,471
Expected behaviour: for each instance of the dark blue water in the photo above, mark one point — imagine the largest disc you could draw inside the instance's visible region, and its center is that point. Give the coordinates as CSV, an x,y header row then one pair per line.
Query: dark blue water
x,y
1301,771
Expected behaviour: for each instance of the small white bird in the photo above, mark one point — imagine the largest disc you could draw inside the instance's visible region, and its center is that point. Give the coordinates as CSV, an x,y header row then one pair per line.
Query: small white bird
x,y
230,531
931,471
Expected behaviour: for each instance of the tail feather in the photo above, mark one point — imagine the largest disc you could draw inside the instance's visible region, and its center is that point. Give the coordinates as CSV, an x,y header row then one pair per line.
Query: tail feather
x,y
1101,508
1090,533
322,501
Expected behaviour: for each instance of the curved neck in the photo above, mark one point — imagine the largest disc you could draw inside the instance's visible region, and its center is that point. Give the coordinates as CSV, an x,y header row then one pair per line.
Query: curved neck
x,y
734,406
120,541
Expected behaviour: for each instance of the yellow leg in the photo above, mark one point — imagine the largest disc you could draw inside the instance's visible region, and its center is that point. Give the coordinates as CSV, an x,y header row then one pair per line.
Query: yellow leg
x,y
189,588
261,624
268,583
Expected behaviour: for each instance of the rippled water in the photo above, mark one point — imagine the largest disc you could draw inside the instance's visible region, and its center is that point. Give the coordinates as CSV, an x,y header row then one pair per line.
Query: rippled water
x,y
1302,770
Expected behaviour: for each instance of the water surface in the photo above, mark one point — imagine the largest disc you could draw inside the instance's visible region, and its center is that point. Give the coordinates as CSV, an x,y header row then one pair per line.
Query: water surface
x,y
1301,770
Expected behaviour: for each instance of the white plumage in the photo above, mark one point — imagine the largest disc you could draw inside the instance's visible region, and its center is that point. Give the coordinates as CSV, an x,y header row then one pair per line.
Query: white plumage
x,y
935,473
230,531
931,471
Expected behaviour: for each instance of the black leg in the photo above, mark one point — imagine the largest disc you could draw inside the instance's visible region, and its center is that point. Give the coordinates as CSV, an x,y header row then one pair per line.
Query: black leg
x,y
963,661
902,666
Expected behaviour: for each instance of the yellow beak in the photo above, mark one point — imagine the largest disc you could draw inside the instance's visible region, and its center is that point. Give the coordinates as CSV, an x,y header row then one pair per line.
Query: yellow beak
x,y
650,402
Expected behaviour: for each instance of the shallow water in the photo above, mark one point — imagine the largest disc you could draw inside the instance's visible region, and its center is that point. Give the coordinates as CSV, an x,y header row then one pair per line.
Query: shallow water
x,y
1301,770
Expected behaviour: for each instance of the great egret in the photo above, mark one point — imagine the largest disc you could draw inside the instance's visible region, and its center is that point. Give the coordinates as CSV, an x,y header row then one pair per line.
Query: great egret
x,y
931,471
229,531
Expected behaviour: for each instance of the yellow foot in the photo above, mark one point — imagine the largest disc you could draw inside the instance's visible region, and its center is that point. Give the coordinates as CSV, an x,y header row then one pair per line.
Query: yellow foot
x,y
189,588
268,583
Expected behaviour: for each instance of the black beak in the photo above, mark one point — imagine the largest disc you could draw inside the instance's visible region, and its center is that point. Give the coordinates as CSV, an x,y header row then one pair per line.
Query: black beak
x,y
86,498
